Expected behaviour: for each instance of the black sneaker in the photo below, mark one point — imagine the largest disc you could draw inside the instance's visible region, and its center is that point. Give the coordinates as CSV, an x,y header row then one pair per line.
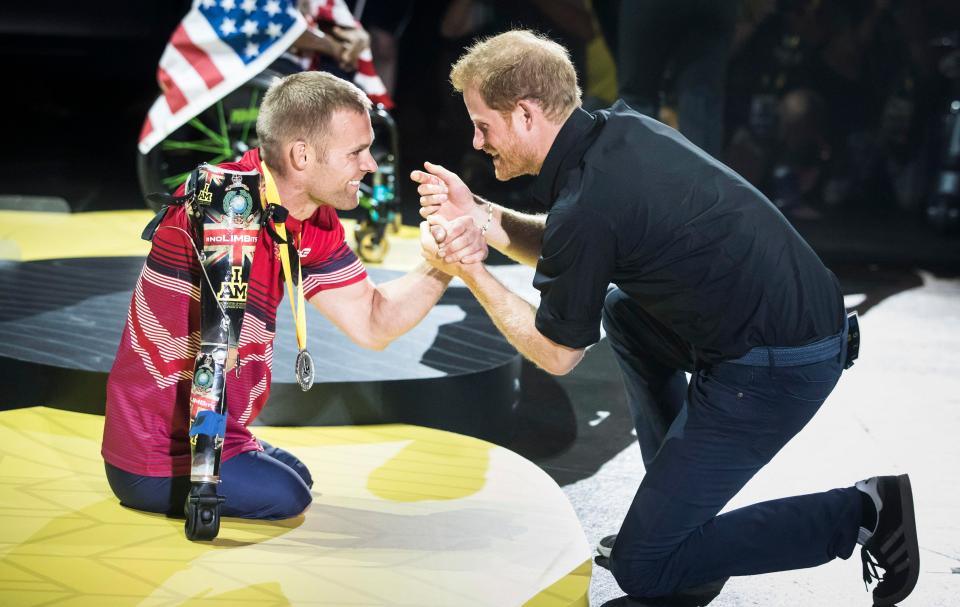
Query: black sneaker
x,y
892,544
605,547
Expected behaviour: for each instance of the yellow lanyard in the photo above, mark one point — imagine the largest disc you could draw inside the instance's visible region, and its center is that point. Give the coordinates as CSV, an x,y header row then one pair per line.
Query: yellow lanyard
x,y
304,367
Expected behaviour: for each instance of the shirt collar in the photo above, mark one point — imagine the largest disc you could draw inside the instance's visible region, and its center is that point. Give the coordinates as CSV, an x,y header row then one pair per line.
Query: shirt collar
x,y
567,150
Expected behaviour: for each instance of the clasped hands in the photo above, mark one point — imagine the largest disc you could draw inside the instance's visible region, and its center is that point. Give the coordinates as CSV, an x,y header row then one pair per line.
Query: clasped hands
x,y
451,239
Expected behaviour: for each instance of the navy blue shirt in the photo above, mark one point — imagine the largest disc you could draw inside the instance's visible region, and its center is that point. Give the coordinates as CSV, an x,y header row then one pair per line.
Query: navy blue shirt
x,y
633,203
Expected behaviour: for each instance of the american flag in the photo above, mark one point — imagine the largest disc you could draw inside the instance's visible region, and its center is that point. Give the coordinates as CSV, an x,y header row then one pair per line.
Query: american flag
x,y
220,44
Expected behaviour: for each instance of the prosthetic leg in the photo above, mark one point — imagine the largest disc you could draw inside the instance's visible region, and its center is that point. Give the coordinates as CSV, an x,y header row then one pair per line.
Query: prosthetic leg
x,y
225,212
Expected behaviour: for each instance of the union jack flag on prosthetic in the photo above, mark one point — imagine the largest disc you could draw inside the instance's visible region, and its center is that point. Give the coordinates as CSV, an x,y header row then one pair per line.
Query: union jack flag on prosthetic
x,y
218,46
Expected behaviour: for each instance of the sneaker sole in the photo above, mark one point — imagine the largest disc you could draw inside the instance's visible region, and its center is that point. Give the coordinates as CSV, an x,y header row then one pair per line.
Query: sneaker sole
x,y
912,543
604,551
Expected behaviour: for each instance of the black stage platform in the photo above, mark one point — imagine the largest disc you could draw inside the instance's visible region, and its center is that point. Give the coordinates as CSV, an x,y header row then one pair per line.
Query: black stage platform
x,y
61,320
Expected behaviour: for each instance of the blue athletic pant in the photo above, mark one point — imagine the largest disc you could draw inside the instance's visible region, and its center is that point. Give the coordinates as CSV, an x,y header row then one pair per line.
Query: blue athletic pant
x,y
270,484
701,444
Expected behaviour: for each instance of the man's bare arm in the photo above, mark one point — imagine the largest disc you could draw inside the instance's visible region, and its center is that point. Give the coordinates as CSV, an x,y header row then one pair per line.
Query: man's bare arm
x,y
517,235
515,318
372,316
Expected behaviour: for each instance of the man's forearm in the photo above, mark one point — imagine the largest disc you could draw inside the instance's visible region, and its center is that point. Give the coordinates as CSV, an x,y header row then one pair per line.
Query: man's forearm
x,y
515,318
517,235
400,304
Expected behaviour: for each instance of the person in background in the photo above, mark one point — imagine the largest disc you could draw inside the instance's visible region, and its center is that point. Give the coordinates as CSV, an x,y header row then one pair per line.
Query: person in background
x,y
688,37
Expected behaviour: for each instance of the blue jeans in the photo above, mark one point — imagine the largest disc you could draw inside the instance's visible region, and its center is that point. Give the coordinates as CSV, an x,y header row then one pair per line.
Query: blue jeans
x,y
271,484
701,444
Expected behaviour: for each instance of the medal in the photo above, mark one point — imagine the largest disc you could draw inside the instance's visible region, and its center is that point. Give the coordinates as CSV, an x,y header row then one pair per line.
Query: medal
x,y
304,370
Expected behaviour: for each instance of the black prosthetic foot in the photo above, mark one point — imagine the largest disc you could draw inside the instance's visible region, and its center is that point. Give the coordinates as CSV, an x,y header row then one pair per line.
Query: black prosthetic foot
x,y
202,510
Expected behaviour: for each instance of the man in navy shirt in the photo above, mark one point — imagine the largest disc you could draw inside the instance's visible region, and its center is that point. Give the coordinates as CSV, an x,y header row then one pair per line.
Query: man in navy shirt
x,y
711,280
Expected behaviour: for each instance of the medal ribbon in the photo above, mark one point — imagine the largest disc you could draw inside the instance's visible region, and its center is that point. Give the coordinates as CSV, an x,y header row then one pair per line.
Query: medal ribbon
x,y
297,306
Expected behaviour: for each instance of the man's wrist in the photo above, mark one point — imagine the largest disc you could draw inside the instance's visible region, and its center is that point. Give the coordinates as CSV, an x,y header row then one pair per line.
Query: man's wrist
x,y
486,215
436,273
468,272
488,220
479,211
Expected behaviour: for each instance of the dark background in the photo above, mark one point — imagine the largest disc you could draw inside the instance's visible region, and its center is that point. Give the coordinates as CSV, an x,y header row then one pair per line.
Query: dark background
x,y
80,79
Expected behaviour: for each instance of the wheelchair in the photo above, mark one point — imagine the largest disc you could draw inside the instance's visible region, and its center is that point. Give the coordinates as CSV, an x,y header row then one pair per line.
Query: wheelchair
x,y
227,129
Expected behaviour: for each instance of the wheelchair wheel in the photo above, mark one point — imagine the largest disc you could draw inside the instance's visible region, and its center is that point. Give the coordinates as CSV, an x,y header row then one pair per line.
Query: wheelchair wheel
x,y
221,133
372,243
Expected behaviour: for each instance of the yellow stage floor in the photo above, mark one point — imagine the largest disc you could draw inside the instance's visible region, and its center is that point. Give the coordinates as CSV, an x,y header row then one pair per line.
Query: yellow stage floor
x,y
402,515
31,236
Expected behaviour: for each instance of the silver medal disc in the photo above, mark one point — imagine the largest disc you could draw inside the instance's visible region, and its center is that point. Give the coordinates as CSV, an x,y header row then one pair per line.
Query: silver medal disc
x,y
304,370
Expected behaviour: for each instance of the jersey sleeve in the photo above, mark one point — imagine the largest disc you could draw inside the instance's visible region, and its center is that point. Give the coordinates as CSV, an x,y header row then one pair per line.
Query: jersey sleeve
x,y
172,254
575,267
330,264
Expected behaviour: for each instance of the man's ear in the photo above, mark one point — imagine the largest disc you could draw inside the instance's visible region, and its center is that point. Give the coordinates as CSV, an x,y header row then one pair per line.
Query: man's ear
x,y
529,111
298,154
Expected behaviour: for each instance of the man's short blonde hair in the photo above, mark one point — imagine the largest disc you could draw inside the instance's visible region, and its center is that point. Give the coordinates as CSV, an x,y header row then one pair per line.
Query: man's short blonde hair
x,y
300,107
516,65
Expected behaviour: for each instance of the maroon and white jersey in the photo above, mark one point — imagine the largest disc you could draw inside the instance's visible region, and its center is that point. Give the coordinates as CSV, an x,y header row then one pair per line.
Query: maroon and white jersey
x,y
148,391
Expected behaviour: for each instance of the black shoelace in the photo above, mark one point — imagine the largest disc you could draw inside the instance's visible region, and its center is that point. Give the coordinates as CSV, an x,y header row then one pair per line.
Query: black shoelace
x,y
869,568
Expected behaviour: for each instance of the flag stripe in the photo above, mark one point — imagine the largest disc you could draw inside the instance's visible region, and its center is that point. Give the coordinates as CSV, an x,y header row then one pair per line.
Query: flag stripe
x,y
197,57
147,128
371,84
174,96
342,15
199,30
159,114
176,65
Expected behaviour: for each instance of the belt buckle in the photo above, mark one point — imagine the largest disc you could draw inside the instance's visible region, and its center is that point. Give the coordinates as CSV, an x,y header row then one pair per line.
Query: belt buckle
x,y
853,339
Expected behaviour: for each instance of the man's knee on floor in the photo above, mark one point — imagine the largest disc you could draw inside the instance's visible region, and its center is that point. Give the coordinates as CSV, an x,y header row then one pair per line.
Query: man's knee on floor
x,y
639,578
294,504
279,504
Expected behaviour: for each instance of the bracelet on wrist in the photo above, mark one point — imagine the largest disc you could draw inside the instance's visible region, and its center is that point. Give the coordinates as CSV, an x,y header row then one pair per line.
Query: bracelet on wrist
x,y
486,226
